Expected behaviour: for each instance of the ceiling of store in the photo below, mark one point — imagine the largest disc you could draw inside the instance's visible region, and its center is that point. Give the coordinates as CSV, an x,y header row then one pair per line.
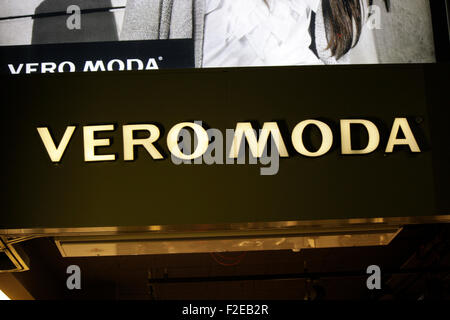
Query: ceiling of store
x,y
416,264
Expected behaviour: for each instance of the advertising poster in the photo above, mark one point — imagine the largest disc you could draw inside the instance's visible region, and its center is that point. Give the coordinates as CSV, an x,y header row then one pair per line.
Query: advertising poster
x,y
48,36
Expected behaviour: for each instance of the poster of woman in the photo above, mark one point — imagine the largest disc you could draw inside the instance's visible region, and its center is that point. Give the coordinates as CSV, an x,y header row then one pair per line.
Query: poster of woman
x,y
236,33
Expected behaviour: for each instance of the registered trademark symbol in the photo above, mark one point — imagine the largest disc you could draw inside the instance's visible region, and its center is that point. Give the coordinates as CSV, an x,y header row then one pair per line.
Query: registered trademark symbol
x,y
160,58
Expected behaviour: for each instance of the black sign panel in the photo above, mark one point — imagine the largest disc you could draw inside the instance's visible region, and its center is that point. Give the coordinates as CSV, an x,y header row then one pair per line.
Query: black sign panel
x,y
97,56
144,192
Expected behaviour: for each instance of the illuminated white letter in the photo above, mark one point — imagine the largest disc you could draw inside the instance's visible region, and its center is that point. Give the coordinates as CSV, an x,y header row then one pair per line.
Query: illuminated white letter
x,y
54,152
257,146
31,67
119,63
130,62
402,123
129,142
372,131
202,140
90,143
90,67
48,67
15,71
151,64
327,138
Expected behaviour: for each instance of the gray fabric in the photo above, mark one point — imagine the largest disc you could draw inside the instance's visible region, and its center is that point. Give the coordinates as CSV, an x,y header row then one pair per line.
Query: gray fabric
x,y
181,24
199,14
184,19
141,20
165,18
406,35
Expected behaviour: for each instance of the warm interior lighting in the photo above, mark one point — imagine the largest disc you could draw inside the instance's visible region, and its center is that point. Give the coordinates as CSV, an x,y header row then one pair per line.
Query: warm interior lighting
x,y
123,245
3,296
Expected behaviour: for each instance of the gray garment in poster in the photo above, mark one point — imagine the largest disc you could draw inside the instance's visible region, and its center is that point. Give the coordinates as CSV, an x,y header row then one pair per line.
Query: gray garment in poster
x,y
184,19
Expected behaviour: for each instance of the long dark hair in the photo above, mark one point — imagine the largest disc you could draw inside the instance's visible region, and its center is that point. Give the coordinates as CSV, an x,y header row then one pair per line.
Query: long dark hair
x,y
339,16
